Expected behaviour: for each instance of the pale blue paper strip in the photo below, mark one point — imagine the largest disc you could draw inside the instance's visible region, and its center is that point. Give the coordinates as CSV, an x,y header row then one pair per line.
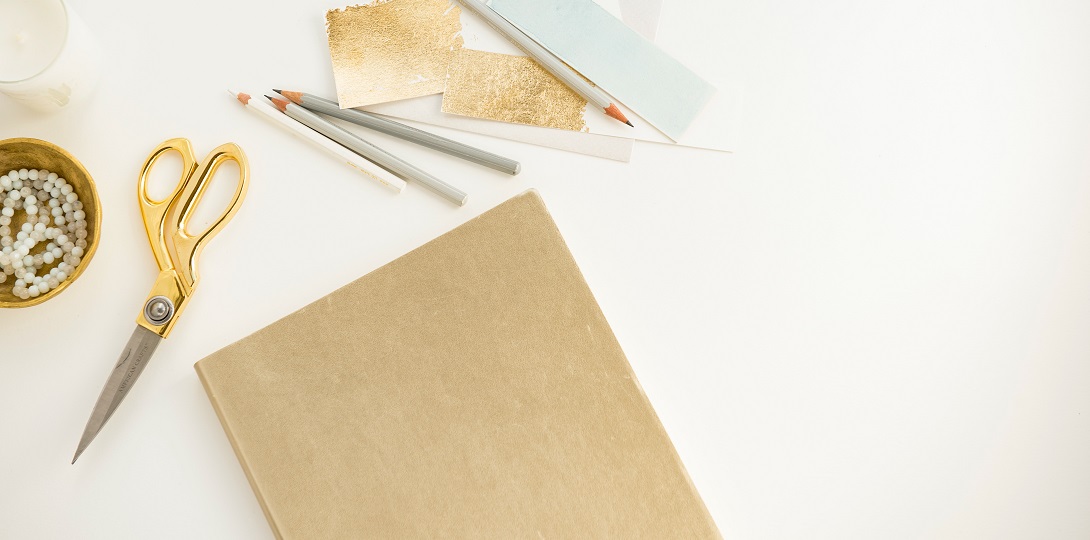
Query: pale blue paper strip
x,y
614,57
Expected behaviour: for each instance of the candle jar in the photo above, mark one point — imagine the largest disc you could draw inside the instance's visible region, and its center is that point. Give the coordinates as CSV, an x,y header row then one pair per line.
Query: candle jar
x,y
48,57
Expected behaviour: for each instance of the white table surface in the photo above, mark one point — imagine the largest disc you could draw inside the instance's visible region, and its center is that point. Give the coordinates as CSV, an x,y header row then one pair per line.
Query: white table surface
x,y
870,321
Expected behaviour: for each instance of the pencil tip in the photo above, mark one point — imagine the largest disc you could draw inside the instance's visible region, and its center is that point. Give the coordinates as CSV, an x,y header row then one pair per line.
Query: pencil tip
x,y
278,103
277,90
295,97
615,112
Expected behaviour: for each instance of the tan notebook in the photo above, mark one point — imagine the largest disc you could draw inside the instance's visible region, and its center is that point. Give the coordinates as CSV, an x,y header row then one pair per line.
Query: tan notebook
x,y
469,389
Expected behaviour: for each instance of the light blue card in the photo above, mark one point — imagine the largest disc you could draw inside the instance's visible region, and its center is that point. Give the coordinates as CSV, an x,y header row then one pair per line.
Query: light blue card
x,y
614,57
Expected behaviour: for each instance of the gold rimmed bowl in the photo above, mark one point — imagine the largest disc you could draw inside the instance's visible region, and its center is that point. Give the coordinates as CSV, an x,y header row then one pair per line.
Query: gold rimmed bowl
x,y
37,154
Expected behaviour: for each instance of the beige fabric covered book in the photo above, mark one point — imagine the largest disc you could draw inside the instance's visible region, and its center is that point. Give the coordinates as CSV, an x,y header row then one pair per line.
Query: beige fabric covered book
x,y
469,389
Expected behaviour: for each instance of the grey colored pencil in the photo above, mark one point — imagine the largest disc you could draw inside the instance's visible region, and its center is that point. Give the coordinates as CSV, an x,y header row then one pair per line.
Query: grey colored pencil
x,y
379,156
401,131
551,63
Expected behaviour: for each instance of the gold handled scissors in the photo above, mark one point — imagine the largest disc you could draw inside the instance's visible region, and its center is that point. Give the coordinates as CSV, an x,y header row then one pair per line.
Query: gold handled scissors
x,y
176,252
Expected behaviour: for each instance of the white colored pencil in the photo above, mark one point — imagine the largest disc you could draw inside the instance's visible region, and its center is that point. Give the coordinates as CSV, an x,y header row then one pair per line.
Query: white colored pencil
x,y
344,155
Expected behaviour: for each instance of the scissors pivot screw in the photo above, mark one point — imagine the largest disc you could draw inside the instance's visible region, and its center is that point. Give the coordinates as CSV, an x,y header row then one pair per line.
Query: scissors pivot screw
x,y
159,310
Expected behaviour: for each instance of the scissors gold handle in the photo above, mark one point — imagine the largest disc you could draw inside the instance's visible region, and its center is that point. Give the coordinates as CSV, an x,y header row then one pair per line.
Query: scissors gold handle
x,y
166,222
176,252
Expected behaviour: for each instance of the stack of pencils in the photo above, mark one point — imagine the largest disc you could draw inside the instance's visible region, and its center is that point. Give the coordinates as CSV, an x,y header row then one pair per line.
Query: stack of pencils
x,y
295,111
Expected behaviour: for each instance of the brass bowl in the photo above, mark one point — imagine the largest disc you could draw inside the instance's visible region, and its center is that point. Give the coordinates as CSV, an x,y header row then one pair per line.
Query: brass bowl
x,y
37,154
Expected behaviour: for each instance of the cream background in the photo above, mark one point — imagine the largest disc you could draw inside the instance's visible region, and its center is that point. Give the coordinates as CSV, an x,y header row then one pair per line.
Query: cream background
x,y
869,322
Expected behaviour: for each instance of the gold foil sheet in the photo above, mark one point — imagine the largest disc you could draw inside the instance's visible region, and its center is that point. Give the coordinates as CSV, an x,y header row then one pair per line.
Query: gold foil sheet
x,y
391,50
510,89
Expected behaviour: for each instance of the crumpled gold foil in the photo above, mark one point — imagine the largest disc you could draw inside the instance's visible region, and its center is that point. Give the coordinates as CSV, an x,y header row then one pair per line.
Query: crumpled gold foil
x,y
393,49
510,89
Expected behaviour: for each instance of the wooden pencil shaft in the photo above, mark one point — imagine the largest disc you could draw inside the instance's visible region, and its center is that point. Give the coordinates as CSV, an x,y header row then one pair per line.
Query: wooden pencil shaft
x,y
361,165
411,134
546,59
383,158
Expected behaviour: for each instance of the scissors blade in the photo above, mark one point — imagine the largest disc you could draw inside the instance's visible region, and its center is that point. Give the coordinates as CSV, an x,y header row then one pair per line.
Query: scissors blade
x,y
137,352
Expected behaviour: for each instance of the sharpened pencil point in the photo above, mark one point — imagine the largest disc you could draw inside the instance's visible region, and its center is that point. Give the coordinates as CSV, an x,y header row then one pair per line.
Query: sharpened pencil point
x,y
296,97
281,104
615,112
277,90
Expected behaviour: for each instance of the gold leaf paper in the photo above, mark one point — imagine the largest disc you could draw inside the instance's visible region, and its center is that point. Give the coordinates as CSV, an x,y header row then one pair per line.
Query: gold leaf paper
x,y
510,89
391,50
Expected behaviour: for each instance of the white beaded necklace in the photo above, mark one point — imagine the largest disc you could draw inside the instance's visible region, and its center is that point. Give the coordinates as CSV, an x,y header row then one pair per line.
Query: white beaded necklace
x,y
55,216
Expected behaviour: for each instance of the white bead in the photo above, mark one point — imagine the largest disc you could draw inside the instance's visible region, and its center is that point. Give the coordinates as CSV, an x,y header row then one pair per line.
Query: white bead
x,y
54,214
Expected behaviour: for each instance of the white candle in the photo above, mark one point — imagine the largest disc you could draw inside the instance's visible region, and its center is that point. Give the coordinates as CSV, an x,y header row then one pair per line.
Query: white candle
x,y
31,36
48,58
